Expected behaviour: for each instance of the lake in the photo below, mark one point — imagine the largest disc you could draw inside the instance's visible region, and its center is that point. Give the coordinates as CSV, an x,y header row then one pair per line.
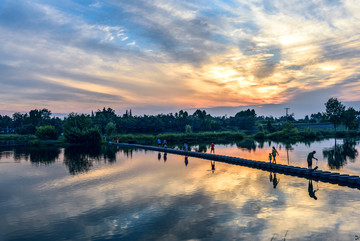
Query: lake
x,y
125,194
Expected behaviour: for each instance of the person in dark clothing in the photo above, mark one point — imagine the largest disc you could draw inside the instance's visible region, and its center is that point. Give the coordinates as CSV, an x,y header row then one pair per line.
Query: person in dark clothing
x,y
274,152
309,159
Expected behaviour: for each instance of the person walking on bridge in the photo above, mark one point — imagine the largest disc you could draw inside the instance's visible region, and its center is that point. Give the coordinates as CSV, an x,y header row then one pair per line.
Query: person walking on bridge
x,y
212,150
274,152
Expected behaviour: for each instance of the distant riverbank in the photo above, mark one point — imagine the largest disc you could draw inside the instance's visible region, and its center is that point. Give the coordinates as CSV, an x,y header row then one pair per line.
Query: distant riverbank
x,y
290,135
286,136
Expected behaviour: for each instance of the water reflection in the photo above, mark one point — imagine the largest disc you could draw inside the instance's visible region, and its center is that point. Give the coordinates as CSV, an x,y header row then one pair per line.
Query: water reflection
x,y
201,148
127,151
338,155
288,148
5,154
212,166
249,145
138,199
274,180
311,189
186,161
80,159
37,156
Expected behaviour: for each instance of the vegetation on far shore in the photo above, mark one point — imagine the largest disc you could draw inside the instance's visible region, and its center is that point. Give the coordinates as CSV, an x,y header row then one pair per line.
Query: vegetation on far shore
x,y
39,127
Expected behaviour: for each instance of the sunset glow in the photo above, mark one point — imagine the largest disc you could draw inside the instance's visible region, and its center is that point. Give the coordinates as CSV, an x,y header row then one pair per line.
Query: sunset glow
x,y
77,57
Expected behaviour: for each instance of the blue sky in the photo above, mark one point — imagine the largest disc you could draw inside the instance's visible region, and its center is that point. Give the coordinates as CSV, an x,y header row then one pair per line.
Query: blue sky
x,y
161,56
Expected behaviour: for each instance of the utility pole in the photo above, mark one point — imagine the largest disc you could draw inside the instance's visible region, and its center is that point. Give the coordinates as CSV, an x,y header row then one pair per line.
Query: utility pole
x,y
287,109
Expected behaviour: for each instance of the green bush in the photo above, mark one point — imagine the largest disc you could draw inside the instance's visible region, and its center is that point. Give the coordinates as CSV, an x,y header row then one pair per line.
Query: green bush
x,y
110,128
188,129
89,137
46,132
92,137
73,135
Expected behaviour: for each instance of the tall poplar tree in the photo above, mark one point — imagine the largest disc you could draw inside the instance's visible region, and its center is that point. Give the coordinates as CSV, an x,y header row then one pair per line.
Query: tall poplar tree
x,y
335,111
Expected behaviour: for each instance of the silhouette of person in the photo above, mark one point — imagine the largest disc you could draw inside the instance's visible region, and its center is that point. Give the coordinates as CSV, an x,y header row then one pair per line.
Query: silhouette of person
x,y
275,181
309,159
185,146
212,150
186,161
311,190
159,142
165,157
270,157
274,152
159,156
212,166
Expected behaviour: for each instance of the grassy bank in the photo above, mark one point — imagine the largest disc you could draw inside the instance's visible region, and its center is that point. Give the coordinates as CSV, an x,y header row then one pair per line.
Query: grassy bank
x,y
287,135
293,135
17,137
27,140
179,138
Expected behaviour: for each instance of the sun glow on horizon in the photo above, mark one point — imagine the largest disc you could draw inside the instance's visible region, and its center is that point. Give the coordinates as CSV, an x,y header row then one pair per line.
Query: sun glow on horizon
x,y
180,55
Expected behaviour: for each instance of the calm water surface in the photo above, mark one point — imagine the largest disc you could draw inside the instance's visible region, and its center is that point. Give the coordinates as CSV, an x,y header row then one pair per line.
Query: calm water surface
x,y
125,194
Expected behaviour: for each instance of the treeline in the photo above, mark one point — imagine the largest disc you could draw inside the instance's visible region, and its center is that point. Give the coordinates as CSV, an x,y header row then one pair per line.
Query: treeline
x,y
80,127
107,122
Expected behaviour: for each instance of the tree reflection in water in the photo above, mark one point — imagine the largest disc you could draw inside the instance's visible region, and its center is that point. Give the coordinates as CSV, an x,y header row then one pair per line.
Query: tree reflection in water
x,y
288,148
247,145
79,159
128,152
202,148
38,156
339,154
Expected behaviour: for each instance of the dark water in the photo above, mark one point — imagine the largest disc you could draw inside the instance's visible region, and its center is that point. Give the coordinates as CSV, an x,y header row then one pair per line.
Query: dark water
x,y
97,193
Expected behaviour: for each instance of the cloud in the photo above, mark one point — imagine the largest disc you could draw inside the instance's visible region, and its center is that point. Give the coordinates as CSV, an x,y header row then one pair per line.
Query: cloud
x,y
188,53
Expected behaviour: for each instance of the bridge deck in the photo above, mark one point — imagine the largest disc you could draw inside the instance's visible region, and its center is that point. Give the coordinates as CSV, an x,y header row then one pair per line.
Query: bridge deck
x,y
324,176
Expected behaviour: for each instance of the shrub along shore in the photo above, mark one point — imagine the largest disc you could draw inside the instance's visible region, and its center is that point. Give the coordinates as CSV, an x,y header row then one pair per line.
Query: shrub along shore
x,y
86,129
286,136
290,135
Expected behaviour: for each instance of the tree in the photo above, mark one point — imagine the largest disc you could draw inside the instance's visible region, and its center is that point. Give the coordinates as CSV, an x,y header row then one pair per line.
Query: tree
x,y
318,117
110,128
188,129
37,117
77,121
350,120
269,126
306,119
46,132
335,111
77,129
244,120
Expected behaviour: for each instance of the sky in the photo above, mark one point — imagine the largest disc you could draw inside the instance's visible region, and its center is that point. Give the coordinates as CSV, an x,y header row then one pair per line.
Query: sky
x,y
162,56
